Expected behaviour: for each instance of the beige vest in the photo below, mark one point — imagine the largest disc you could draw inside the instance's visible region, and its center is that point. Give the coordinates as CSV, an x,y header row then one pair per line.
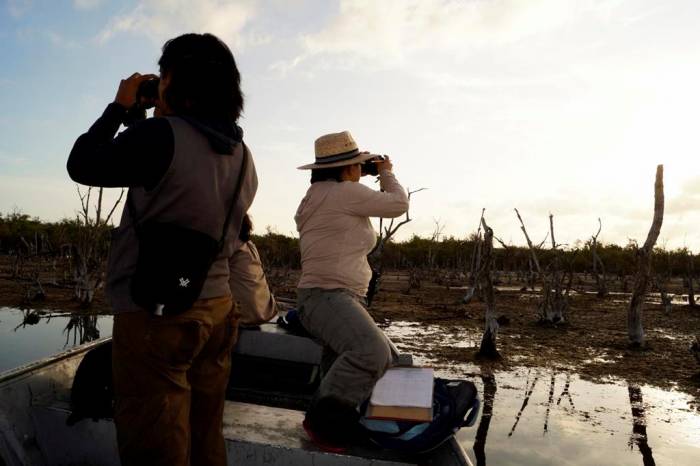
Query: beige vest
x,y
195,192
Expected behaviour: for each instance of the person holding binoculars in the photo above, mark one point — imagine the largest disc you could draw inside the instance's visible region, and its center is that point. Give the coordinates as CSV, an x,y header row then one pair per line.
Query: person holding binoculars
x,y
190,177
335,235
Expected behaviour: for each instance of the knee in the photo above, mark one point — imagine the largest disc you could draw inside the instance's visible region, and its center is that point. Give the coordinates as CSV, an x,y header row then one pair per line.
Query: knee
x,y
378,357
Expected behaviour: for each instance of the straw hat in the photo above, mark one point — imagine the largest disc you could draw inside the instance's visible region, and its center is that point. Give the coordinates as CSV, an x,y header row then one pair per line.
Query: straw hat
x,y
337,150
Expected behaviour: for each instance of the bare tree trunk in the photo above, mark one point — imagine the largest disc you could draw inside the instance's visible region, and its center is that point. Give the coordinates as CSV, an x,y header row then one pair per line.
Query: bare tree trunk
x,y
695,349
691,277
488,347
635,331
473,279
601,280
554,302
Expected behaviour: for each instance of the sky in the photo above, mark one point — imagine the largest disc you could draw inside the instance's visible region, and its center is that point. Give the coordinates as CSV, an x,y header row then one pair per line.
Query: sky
x,y
548,106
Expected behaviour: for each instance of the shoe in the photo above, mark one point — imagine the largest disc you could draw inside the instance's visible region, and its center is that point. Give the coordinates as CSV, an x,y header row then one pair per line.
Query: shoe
x,y
320,441
333,424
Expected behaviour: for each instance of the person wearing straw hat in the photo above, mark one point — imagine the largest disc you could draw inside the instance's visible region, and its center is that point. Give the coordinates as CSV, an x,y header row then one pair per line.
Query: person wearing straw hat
x,y
336,235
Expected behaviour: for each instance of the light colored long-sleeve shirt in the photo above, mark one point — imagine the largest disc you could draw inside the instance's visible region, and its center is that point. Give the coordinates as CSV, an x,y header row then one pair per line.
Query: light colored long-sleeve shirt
x,y
336,234
249,286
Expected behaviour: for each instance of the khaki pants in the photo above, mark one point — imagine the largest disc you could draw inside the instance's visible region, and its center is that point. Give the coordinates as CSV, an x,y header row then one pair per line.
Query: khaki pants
x,y
170,377
349,334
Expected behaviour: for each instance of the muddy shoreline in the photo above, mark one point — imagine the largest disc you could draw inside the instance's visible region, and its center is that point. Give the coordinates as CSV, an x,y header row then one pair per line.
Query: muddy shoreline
x,y
592,342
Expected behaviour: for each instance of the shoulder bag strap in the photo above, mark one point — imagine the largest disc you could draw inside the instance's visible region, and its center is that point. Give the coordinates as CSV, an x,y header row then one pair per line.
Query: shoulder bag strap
x,y
241,174
236,193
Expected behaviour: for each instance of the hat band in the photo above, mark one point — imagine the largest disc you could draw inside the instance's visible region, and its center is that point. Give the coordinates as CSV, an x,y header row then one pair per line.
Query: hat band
x,y
338,157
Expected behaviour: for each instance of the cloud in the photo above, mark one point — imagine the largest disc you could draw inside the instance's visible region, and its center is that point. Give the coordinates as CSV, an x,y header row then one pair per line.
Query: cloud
x,y
54,38
9,160
390,32
688,200
160,20
17,8
86,4
59,40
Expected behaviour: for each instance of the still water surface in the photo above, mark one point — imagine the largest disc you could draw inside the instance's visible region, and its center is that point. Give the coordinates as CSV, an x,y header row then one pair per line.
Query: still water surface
x,y
26,336
544,416
529,416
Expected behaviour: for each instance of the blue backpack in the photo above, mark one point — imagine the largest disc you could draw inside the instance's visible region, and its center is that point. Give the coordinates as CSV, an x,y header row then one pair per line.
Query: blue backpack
x,y
455,405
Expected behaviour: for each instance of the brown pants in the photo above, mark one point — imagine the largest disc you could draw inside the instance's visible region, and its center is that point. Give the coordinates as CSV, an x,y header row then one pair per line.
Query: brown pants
x,y
170,377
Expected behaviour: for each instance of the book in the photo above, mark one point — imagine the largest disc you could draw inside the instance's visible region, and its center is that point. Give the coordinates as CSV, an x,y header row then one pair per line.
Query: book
x,y
403,393
399,413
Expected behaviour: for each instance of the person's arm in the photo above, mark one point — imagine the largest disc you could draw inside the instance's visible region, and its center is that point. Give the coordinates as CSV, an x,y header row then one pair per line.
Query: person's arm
x,y
391,202
139,156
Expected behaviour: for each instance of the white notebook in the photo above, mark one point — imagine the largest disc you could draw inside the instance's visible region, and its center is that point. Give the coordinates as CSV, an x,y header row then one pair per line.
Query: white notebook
x,y
404,387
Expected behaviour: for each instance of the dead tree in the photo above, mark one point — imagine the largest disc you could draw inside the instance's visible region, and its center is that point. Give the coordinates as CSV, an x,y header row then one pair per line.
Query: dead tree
x,y
488,347
635,331
662,282
689,279
695,349
374,258
601,279
475,265
555,296
555,300
434,238
91,246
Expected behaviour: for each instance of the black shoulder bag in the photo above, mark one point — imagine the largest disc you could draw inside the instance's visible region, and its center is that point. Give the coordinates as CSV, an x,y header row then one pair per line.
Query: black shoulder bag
x,y
174,261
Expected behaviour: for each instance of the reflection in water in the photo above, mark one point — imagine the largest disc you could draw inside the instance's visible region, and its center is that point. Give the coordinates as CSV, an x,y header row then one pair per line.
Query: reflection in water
x,y
528,393
588,424
482,431
80,328
31,335
639,424
549,404
566,392
83,329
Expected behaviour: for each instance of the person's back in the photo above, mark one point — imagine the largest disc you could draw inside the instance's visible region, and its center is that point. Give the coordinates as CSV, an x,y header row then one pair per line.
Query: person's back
x,y
196,191
184,168
335,237
336,234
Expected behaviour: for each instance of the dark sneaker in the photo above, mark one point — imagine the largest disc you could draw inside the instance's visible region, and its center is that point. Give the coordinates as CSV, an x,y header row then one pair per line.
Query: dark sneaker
x,y
318,439
333,424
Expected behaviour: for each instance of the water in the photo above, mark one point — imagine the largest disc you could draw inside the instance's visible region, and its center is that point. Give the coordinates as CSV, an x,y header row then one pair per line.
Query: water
x,y
529,416
547,417
26,336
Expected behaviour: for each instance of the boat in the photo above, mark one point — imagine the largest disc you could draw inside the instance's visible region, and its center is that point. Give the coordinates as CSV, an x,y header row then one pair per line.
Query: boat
x,y
274,374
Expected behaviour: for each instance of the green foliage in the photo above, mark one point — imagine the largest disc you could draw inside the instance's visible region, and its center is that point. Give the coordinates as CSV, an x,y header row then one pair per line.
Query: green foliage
x,y
278,250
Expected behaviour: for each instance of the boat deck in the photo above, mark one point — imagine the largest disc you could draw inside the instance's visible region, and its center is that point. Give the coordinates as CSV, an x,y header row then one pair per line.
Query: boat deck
x,y
34,406
255,435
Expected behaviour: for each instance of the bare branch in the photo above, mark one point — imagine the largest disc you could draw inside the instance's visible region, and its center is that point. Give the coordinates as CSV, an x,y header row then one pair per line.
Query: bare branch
x,y
529,242
114,207
98,207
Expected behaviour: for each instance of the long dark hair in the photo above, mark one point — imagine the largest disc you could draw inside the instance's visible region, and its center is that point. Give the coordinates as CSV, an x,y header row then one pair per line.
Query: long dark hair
x,y
326,174
204,79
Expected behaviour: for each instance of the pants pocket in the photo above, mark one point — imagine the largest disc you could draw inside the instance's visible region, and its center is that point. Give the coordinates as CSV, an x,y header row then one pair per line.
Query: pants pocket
x,y
175,343
231,336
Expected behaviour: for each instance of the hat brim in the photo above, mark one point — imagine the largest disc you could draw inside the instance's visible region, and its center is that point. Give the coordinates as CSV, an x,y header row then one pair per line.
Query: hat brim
x,y
359,158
